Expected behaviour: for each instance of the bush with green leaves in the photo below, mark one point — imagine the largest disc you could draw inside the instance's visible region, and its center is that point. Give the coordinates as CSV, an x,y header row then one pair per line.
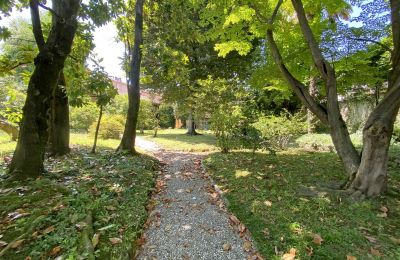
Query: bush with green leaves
x,y
111,127
279,132
166,116
81,118
118,106
396,133
224,125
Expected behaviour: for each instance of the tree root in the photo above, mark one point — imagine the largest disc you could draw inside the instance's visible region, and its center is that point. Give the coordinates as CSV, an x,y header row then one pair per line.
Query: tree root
x,y
28,232
87,248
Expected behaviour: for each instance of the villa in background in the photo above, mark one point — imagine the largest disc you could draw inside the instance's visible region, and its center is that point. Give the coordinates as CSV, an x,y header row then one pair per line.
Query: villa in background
x,y
145,94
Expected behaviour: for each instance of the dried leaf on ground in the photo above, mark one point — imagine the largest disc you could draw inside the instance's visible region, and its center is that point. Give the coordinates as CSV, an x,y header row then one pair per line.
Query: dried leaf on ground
x,y
3,243
227,247
371,239
95,239
48,230
115,240
55,251
17,243
375,252
291,255
317,239
350,257
247,246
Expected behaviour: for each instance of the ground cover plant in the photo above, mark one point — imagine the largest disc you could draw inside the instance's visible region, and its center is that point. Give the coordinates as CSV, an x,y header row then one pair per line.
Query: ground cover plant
x,y
267,193
85,205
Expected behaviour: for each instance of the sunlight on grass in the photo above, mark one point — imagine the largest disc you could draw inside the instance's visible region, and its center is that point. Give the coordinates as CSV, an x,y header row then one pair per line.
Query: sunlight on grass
x,y
270,202
240,173
177,140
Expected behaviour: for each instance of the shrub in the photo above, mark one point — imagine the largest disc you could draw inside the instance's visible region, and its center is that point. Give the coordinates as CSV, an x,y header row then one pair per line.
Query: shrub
x,y
166,115
279,132
118,106
81,118
224,125
111,127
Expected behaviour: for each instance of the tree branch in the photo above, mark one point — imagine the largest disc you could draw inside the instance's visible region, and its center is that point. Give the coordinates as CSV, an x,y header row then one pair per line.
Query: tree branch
x,y
275,13
36,24
298,87
49,9
373,41
19,64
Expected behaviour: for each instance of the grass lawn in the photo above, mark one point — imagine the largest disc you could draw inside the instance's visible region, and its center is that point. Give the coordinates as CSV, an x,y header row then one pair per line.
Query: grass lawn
x,y
81,197
264,192
177,140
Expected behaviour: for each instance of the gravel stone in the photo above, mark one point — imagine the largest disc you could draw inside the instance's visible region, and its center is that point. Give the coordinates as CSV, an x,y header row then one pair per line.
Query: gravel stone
x,y
186,224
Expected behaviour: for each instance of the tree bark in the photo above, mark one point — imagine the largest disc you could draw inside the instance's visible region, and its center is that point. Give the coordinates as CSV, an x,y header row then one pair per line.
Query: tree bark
x,y
310,116
339,132
59,128
29,154
129,136
96,134
191,125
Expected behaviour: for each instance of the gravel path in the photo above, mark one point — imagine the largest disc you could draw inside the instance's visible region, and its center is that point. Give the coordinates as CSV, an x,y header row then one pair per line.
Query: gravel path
x,y
146,145
188,219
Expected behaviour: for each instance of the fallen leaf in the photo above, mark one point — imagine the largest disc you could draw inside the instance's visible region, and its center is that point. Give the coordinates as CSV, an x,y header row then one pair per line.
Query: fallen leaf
x,y
95,239
115,240
375,252
17,243
268,203
55,251
289,256
247,246
371,239
384,209
382,215
141,241
185,257
234,219
226,247
350,257
395,240
317,239
48,230
3,243
111,208
309,251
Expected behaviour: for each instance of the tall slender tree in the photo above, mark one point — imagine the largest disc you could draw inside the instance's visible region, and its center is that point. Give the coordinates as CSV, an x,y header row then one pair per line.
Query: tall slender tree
x,y
129,136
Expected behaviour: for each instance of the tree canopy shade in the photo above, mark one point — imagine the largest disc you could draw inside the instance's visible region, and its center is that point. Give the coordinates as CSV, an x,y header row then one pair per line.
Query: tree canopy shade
x,y
250,20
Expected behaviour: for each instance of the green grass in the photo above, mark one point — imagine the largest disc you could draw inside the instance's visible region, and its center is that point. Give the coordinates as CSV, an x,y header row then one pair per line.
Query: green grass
x,y
177,140
250,183
113,187
322,141
77,139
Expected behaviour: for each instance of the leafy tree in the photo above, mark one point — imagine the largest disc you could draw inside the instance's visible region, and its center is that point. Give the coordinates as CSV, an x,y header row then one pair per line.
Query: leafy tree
x,y
367,171
101,88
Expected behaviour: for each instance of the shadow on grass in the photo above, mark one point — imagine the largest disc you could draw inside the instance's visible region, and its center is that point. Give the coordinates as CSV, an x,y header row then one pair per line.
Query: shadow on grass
x,y
262,191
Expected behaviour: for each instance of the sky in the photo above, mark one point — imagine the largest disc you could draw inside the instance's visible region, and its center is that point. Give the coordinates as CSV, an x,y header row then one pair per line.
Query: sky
x,y
104,38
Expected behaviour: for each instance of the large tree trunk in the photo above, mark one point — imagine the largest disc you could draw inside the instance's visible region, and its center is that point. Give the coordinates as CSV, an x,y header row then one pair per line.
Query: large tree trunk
x,y
29,154
191,125
129,136
59,128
